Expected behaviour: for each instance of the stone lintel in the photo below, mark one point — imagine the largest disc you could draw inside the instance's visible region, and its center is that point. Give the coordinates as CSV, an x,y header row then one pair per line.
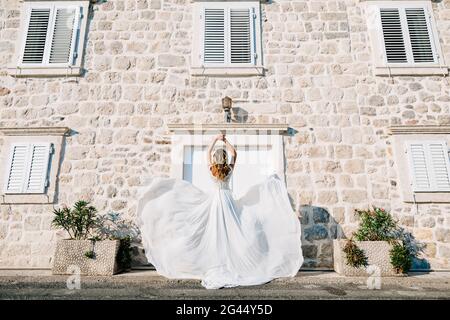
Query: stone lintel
x,y
34,131
229,127
419,130
262,1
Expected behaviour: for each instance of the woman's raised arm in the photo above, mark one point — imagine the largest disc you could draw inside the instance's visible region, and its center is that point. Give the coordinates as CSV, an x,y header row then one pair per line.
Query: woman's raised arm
x,y
211,147
232,151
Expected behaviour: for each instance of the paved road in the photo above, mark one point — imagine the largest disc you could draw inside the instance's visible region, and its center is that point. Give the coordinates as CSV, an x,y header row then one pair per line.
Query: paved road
x,y
148,285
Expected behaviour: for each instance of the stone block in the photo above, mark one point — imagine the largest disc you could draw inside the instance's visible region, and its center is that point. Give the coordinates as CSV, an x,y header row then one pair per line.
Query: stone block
x,y
442,235
354,196
316,232
169,60
320,215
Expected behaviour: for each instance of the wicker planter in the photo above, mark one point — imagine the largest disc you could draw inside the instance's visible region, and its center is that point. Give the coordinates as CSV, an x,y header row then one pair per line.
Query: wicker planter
x,y
377,253
71,253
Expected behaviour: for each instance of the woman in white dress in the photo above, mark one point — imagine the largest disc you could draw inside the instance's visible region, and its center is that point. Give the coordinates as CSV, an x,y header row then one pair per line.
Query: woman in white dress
x,y
213,237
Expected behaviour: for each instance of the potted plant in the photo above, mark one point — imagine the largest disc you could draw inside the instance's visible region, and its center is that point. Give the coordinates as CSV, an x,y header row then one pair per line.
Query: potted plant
x,y
378,242
92,252
113,226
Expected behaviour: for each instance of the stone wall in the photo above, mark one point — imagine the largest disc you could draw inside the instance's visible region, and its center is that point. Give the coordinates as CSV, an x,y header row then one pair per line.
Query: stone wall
x,y
319,80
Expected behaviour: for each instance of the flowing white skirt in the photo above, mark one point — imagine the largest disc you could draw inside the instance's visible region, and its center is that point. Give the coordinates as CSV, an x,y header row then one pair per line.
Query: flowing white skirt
x,y
188,234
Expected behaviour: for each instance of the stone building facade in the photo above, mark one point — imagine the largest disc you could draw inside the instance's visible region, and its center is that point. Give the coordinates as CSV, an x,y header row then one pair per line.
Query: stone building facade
x,y
348,118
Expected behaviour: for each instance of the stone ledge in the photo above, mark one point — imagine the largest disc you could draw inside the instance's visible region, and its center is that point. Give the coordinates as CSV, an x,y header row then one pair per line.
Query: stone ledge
x,y
411,71
18,72
91,1
192,1
419,130
27,198
36,131
227,71
234,127
427,197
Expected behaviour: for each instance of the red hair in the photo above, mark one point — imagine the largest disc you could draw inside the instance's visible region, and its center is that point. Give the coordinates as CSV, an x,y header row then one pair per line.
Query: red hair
x,y
220,168
220,171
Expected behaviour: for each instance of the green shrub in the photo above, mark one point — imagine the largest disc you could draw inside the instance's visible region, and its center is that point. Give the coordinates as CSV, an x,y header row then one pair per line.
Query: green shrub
x,y
375,225
379,225
401,258
354,255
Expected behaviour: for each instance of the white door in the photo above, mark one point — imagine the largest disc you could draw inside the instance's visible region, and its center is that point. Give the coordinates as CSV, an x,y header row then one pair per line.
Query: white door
x,y
195,167
254,164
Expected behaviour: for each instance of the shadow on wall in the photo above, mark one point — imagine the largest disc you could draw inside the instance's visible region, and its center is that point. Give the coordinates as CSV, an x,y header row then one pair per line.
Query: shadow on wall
x,y
239,115
416,248
420,264
62,156
319,229
90,16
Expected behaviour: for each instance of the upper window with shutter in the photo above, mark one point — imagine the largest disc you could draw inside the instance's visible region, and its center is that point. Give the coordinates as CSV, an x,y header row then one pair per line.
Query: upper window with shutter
x,y
407,41
429,166
227,38
53,38
28,167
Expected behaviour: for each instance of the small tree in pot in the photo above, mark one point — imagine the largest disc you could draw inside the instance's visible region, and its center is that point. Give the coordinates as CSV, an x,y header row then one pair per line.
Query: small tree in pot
x,y
79,222
87,249
379,242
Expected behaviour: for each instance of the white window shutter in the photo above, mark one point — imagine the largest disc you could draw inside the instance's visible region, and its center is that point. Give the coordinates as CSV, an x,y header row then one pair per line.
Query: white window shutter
x,y
240,36
64,35
419,34
35,41
214,36
394,42
440,165
36,180
419,167
430,166
230,34
407,34
17,168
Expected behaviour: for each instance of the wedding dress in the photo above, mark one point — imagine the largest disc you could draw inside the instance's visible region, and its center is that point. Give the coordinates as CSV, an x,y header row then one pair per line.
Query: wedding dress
x,y
222,241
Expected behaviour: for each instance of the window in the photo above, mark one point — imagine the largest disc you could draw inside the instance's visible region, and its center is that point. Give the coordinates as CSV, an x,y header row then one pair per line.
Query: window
x,y
429,166
422,164
30,159
52,41
227,38
405,40
28,168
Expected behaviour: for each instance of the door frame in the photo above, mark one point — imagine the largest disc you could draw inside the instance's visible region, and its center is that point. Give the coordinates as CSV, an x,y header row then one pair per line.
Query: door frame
x,y
186,135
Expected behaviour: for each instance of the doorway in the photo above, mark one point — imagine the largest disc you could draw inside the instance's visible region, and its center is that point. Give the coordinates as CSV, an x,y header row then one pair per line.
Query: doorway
x,y
259,155
253,165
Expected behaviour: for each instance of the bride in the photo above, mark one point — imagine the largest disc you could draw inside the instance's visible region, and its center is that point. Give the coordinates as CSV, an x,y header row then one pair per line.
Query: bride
x,y
222,241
